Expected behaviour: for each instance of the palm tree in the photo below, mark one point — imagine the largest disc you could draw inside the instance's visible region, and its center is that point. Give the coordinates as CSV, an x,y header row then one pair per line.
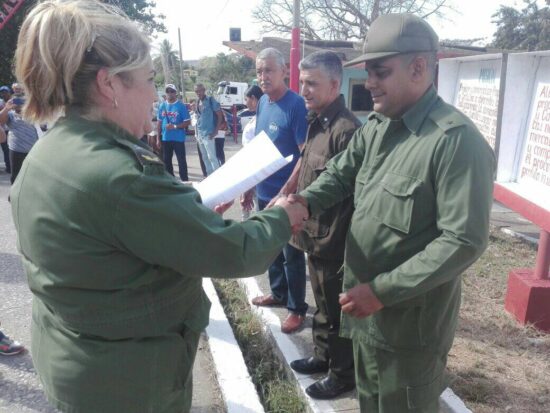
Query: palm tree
x,y
169,61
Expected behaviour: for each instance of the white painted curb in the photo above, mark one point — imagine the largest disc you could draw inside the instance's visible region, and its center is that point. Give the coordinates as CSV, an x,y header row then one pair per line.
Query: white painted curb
x,y
238,391
288,351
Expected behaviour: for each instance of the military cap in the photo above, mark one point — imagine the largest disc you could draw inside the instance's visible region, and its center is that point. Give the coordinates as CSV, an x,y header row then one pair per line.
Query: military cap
x,y
393,34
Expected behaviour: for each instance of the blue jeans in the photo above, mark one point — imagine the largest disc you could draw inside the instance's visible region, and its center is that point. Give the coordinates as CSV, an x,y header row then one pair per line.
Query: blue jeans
x,y
287,276
207,148
168,149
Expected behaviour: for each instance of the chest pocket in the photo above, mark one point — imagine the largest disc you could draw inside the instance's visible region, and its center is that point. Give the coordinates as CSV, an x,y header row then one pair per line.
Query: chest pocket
x,y
394,204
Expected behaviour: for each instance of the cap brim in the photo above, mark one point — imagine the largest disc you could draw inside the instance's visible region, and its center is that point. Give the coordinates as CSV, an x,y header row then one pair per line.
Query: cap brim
x,y
369,56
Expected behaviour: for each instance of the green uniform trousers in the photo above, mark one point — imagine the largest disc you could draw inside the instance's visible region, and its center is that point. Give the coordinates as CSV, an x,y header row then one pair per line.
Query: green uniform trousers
x,y
398,382
326,282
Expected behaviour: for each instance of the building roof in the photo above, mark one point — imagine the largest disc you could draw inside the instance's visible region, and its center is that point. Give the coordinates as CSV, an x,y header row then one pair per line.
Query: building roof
x,y
347,50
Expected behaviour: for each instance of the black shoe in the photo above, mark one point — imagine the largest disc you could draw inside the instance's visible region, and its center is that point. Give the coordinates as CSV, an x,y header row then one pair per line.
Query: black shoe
x,y
309,365
328,388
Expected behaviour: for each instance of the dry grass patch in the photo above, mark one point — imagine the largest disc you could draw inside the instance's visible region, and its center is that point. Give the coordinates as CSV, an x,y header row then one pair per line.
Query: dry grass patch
x,y
496,365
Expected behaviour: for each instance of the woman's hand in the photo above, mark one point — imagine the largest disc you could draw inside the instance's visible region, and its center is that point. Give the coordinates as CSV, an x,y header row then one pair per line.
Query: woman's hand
x,y
221,208
247,200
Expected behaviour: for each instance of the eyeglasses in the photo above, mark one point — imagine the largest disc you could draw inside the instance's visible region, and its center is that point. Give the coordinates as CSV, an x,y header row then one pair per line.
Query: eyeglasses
x,y
170,91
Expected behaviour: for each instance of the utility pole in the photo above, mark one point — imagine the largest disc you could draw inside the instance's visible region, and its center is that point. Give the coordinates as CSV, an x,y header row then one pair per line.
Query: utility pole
x,y
181,69
295,48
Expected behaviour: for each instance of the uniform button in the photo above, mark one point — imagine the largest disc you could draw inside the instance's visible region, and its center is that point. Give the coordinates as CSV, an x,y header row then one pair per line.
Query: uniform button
x,y
450,122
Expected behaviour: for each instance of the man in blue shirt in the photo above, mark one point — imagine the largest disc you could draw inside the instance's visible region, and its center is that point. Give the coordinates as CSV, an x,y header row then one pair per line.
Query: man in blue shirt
x,y
173,118
281,114
210,118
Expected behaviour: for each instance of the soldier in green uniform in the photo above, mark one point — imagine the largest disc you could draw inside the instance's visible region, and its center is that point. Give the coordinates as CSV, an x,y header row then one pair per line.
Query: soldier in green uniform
x,y
114,248
421,175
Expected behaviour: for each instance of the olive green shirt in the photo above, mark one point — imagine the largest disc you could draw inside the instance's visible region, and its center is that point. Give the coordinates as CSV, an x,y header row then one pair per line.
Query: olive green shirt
x,y
328,134
422,190
114,249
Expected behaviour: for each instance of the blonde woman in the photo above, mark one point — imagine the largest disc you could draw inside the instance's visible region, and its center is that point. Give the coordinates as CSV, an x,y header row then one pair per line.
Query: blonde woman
x,y
114,248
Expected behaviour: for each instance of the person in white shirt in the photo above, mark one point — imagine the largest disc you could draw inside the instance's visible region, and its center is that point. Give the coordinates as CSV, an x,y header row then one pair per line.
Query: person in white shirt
x,y
251,98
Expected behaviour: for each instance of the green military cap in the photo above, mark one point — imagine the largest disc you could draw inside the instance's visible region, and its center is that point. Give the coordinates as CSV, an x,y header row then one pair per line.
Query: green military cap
x,y
393,34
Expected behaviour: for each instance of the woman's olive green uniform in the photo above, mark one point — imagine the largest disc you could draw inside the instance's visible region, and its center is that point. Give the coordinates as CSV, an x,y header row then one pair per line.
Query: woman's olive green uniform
x,y
114,250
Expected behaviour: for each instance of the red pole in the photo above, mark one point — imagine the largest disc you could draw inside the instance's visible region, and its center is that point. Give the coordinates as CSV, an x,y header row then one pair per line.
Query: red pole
x,y
295,49
234,112
542,265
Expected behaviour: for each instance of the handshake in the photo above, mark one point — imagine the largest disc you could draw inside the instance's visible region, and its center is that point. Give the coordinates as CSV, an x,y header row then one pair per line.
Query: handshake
x,y
295,207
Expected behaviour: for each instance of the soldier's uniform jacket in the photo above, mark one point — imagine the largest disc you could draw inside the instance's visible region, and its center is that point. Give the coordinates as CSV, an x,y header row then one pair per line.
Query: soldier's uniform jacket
x,y
114,249
328,134
422,190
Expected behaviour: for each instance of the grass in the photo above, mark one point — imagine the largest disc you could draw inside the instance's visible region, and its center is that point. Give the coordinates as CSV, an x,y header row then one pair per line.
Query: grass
x,y
497,365
277,391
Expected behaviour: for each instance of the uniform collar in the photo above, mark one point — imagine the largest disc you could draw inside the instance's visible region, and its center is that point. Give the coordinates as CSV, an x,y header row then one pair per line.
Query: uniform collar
x,y
325,117
111,129
415,116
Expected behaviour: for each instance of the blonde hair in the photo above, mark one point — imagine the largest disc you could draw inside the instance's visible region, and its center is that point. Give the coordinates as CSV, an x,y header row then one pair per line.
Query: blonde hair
x,y
61,47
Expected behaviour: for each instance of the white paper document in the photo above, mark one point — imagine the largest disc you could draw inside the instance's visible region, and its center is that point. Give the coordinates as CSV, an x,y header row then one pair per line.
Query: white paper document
x,y
248,167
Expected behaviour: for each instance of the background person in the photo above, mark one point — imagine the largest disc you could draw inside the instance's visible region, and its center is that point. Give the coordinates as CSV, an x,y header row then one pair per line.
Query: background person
x,y
281,114
118,304
9,347
331,126
422,179
22,134
209,120
5,95
172,120
252,96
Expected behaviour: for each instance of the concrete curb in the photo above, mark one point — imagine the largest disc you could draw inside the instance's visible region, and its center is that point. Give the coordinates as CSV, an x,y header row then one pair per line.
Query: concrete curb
x,y
288,351
238,391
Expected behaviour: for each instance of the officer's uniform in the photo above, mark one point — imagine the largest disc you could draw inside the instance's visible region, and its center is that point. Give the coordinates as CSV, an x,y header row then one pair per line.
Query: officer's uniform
x,y
114,249
324,236
422,190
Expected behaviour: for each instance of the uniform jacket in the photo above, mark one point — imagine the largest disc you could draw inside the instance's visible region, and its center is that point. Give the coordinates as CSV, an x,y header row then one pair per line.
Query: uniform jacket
x,y
422,190
114,249
328,134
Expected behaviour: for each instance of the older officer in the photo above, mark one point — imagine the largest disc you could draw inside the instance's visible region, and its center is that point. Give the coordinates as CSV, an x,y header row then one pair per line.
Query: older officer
x,y
421,175
330,128
113,246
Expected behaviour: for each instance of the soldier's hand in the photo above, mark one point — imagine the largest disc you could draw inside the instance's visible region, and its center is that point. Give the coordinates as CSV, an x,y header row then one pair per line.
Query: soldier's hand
x,y
295,198
296,212
274,200
360,301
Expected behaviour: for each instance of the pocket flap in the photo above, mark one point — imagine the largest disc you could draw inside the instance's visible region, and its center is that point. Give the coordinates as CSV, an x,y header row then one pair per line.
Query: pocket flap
x,y
400,185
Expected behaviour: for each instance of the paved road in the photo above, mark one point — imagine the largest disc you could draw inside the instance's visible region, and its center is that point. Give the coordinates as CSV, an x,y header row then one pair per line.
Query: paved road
x,y
20,389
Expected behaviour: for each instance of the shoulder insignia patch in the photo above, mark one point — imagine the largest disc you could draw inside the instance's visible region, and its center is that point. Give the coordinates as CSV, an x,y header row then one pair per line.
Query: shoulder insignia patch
x,y
447,117
146,157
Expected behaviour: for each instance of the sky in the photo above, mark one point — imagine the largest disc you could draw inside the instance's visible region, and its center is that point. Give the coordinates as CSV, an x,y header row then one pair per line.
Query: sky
x,y
204,24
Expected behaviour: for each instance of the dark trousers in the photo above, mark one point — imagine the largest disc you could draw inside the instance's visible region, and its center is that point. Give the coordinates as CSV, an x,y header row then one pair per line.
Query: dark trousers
x,y
203,168
287,276
220,154
326,283
168,149
6,152
16,160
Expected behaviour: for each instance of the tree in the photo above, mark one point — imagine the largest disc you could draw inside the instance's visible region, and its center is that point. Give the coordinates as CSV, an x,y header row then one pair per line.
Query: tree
x,y
138,10
526,29
338,19
232,67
